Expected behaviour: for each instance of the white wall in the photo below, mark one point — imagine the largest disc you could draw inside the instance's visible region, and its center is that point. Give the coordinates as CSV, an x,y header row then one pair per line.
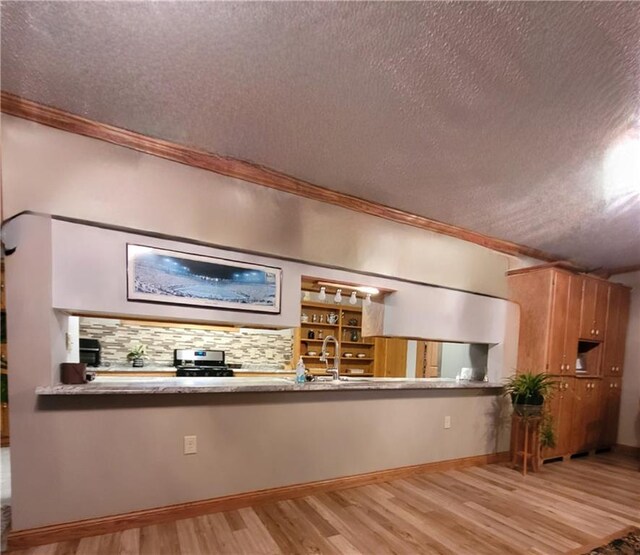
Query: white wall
x,y
89,276
76,458
629,430
54,172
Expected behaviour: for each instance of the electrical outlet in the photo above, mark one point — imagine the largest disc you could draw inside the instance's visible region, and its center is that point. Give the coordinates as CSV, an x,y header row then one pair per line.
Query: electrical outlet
x,y
447,422
190,445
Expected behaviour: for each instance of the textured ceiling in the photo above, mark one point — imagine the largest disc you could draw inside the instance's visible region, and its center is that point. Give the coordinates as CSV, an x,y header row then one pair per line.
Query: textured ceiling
x,y
499,117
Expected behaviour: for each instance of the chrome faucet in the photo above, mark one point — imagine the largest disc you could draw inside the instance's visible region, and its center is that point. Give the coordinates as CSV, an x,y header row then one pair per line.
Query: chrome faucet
x,y
324,357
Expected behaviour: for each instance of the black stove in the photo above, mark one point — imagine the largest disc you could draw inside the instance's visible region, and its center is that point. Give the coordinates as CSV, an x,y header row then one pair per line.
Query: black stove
x,y
200,364
204,372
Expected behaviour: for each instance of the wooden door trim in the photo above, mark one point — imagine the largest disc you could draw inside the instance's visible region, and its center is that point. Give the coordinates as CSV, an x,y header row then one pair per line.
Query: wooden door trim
x,y
253,173
24,539
421,347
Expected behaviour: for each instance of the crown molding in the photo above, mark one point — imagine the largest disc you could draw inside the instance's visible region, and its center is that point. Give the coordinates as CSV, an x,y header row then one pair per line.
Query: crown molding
x,y
19,107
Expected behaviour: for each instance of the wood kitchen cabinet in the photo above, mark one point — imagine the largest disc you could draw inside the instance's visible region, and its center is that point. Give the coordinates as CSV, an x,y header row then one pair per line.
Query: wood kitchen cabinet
x,y
566,316
611,397
593,308
588,414
616,330
561,408
391,358
549,302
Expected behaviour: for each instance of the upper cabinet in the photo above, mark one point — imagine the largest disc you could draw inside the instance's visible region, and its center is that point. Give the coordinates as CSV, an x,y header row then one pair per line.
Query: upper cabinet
x,y
549,302
570,324
563,334
593,310
616,330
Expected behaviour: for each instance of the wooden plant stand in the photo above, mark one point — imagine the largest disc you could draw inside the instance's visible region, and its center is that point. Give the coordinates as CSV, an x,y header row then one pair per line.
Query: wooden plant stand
x,y
525,445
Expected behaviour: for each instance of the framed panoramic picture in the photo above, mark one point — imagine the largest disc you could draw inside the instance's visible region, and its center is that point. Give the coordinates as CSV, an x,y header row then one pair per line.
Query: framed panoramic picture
x,y
165,276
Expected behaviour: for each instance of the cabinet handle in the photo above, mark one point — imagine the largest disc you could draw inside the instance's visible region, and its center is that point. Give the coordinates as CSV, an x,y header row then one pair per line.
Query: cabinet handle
x,y
610,386
597,332
593,331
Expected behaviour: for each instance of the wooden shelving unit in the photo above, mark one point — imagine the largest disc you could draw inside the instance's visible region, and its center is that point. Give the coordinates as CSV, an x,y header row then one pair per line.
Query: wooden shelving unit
x,y
348,326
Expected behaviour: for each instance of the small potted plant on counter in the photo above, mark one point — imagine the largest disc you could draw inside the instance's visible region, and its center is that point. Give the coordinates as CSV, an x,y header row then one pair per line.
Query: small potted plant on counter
x,y
137,355
528,392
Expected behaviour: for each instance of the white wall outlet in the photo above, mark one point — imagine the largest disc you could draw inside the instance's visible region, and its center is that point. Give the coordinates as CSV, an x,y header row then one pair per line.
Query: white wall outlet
x,y
190,445
447,422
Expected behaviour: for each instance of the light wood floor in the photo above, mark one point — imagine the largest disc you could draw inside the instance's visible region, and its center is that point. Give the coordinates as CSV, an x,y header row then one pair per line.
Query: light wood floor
x,y
565,508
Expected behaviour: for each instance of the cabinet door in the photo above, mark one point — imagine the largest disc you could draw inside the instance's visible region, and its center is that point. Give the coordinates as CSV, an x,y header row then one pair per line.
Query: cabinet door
x,y
561,408
580,416
553,407
390,358
588,413
573,325
611,411
565,425
595,414
602,300
588,308
610,356
556,362
623,322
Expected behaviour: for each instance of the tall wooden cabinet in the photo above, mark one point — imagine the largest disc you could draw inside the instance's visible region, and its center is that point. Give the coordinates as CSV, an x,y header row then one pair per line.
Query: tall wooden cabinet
x,y
573,327
549,319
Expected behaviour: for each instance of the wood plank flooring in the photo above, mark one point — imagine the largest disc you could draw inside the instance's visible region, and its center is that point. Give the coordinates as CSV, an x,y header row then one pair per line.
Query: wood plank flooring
x,y
568,507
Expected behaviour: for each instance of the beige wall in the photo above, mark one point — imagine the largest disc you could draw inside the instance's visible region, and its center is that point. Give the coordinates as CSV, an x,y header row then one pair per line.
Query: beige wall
x,y
93,457
60,173
88,457
629,430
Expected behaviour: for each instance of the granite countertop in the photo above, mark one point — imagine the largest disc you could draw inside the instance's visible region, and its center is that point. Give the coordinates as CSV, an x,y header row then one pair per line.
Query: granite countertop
x,y
160,385
171,369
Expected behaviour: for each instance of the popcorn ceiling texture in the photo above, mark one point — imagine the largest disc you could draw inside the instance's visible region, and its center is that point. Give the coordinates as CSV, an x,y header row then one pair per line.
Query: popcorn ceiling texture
x,y
494,116
251,348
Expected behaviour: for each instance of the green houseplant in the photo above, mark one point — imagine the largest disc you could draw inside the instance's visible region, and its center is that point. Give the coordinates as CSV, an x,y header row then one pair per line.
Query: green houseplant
x,y
528,393
137,355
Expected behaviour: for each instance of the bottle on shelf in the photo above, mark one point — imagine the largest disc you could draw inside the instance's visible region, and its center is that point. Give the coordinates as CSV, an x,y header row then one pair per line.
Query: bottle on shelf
x,y
311,334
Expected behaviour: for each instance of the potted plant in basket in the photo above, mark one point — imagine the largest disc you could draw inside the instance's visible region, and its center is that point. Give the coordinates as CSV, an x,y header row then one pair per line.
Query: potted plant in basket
x,y
137,355
528,392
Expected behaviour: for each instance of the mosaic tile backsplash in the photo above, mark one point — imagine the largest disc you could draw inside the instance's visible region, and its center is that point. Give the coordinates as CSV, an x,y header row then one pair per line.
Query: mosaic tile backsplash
x,y
249,347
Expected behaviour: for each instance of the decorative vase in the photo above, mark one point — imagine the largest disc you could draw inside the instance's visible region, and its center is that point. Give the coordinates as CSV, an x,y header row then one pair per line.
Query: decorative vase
x,y
138,363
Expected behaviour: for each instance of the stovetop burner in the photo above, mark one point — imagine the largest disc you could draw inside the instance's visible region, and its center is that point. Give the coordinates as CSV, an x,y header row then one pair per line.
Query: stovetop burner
x,y
204,372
